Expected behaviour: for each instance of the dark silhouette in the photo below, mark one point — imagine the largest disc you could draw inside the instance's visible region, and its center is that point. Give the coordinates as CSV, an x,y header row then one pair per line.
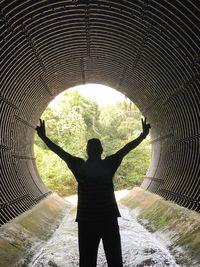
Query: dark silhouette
x,y
97,210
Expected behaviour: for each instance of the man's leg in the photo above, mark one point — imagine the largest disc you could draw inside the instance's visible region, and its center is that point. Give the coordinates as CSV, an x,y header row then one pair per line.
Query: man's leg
x,y
89,238
112,244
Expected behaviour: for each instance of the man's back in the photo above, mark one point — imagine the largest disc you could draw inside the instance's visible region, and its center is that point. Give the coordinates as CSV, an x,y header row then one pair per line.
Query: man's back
x,y
96,199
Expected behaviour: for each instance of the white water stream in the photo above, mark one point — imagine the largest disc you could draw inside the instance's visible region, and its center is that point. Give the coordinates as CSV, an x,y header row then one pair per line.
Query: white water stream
x,y
140,247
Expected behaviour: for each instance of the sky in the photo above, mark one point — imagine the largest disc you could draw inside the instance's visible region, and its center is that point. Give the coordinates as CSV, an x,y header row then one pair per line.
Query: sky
x,y
103,95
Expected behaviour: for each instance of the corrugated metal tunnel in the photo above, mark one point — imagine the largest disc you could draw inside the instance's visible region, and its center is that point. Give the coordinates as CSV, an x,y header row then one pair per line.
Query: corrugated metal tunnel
x,y
147,49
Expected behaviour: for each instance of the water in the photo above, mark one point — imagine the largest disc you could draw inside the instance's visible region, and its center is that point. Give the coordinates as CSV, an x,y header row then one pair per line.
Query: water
x,y
140,248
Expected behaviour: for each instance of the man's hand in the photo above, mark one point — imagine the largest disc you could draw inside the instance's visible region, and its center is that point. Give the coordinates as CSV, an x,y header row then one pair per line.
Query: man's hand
x,y
145,127
41,129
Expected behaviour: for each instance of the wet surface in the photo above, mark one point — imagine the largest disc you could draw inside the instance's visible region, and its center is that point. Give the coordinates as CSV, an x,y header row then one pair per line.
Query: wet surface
x,y
140,248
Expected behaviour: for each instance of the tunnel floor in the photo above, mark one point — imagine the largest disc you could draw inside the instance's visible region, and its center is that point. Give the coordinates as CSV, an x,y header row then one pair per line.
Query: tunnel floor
x,y
140,247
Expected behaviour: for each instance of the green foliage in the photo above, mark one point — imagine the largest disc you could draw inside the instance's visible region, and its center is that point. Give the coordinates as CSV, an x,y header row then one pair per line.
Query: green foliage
x,y
77,119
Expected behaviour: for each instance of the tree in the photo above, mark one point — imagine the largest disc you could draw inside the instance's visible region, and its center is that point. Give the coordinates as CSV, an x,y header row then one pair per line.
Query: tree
x,y
73,122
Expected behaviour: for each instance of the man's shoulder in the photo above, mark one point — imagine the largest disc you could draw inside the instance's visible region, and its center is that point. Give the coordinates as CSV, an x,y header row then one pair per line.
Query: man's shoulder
x,y
77,159
112,159
74,161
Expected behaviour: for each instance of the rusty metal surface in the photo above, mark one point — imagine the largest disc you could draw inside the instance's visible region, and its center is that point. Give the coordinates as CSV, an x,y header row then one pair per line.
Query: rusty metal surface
x,y
148,50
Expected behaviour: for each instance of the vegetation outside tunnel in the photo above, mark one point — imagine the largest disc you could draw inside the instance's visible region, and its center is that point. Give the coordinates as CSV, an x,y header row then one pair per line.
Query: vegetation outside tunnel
x,y
77,119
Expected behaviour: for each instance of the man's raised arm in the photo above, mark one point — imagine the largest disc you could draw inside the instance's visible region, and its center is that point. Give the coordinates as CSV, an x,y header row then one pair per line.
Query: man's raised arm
x,y
55,148
131,145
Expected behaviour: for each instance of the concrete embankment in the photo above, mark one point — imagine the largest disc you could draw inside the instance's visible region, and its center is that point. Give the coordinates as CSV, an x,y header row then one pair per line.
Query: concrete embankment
x,y
177,226
18,236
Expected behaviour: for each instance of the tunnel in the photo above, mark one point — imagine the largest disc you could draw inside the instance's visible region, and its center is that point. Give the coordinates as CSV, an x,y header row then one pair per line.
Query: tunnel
x,y
147,49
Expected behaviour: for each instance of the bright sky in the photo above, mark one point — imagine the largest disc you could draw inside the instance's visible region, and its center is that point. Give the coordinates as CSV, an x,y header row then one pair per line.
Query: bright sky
x,y
103,95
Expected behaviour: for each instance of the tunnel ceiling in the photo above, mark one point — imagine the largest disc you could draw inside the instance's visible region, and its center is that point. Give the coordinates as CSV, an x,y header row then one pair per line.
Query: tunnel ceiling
x,y
148,50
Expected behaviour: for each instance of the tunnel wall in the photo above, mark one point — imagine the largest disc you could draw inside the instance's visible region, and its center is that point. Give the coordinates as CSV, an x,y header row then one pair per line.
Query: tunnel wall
x,y
179,227
148,50
20,236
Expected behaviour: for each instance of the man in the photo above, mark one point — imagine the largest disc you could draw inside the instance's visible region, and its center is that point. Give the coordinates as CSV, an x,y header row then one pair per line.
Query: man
x,y
97,210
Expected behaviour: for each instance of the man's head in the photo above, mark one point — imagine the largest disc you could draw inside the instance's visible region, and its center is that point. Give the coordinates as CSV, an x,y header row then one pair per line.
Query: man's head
x,y
94,148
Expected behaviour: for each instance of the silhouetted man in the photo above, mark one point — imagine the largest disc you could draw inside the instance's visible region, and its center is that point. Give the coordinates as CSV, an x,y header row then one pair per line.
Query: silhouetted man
x,y
97,210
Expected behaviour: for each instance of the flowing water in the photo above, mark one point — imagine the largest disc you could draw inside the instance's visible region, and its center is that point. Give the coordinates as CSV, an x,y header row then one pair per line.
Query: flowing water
x,y
140,247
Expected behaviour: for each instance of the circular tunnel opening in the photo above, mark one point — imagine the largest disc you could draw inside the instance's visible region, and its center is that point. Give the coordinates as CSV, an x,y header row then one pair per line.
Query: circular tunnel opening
x,y
91,111
149,50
